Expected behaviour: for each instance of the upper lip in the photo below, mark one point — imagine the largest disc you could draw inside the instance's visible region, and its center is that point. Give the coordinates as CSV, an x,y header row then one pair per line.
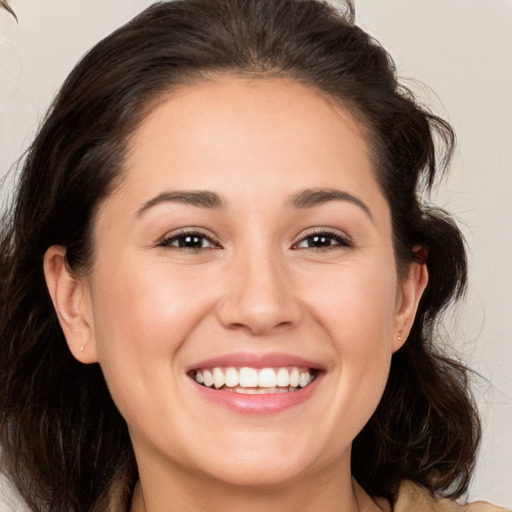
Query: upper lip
x,y
255,360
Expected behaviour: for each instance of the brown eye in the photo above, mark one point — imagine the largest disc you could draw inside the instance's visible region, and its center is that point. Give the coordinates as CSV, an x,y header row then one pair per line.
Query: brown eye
x,y
324,240
192,241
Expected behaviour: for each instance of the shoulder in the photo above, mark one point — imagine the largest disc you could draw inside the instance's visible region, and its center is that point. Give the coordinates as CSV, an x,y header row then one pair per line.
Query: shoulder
x,y
412,497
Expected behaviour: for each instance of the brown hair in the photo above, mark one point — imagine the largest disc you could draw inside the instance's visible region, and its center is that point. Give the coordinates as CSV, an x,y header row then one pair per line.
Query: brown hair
x,y
64,442
8,8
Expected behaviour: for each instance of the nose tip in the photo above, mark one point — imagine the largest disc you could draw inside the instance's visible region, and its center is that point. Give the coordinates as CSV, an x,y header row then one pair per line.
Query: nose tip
x,y
258,319
259,299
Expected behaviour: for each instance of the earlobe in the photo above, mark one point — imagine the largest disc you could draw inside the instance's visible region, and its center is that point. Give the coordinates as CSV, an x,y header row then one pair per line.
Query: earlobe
x,y
410,292
71,300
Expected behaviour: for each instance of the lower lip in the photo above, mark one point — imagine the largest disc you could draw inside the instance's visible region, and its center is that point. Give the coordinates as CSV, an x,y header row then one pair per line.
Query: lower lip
x,y
270,403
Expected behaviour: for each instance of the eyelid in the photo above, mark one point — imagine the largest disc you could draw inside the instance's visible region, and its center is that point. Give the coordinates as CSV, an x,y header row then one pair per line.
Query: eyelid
x,y
343,239
191,230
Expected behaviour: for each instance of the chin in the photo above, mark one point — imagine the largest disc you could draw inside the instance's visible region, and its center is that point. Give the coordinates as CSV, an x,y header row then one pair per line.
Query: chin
x,y
260,474
268,463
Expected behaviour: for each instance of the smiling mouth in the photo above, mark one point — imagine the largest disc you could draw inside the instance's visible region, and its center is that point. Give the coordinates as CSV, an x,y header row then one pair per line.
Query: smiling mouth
x,y
254,381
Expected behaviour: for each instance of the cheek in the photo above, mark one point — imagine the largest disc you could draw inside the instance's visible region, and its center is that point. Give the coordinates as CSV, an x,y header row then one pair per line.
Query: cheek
x,y
356,304
356,308
142,316
353,305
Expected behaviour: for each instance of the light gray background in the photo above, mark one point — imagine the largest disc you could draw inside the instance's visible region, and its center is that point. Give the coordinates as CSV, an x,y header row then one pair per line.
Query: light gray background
x,y
460,48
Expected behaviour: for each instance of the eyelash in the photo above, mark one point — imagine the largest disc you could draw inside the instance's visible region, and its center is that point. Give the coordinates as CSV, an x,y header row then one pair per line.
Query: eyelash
x,y
322,236
185,234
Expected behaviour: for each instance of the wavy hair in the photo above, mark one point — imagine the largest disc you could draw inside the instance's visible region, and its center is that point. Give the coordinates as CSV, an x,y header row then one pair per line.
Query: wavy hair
x,y
65,445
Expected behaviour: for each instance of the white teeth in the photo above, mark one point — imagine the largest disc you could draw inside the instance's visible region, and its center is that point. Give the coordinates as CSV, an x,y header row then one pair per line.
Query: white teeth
x,y
247,391
252,381
304,379
218,378
267,378
207,378
232,379
262,391
283,377
294,378
248,378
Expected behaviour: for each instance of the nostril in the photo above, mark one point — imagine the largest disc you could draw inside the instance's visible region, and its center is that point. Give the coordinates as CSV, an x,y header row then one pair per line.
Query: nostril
x,y
260,318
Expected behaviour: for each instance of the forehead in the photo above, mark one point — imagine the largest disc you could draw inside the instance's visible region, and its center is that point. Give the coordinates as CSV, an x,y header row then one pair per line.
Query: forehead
x,y
241,128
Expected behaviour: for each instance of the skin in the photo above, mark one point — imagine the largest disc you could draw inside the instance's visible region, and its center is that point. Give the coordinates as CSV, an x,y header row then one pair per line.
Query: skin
x,y
147,311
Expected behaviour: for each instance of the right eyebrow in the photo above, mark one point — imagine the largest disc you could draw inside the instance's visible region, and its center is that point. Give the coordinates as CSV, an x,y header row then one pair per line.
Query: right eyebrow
x,y
311,197
199,198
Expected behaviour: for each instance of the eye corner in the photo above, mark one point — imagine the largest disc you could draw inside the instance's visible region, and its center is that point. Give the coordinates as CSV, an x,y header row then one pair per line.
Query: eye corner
x,y
323,239
189,240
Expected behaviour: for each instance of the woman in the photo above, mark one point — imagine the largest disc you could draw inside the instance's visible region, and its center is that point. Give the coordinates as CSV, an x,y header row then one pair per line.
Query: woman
x,y
219,284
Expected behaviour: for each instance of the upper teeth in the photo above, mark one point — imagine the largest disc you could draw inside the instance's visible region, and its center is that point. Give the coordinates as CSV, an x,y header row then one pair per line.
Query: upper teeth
x,y
247,377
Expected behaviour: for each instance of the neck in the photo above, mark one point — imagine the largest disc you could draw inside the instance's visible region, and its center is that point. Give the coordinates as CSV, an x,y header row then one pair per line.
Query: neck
x,y
307,497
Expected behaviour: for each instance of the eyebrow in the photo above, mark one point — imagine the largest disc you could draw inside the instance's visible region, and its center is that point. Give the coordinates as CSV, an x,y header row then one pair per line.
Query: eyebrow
x,y
199,198
311,197
307,198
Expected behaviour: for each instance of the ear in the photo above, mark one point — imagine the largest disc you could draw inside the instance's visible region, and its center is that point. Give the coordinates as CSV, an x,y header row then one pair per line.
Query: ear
x,y
71,300
410,290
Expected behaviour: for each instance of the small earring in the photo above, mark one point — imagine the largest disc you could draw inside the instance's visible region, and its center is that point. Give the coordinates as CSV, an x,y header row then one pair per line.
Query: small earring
x,y
84,345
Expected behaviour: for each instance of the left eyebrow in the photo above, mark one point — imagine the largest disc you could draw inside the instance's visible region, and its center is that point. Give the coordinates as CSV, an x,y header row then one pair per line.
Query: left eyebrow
x,y
311,197
199,198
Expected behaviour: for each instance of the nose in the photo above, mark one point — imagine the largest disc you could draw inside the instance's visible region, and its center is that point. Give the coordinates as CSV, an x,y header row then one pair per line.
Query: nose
x,y
259,295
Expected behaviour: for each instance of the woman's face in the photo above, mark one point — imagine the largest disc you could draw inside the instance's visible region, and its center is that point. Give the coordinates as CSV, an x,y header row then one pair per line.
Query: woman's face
x,y
248,243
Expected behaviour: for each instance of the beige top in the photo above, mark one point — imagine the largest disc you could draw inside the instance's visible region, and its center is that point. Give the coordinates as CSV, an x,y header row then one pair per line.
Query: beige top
x,y
414,498
411,497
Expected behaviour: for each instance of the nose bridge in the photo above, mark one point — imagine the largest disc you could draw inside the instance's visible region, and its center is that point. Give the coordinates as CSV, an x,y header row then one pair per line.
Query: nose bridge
x,y
259,294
